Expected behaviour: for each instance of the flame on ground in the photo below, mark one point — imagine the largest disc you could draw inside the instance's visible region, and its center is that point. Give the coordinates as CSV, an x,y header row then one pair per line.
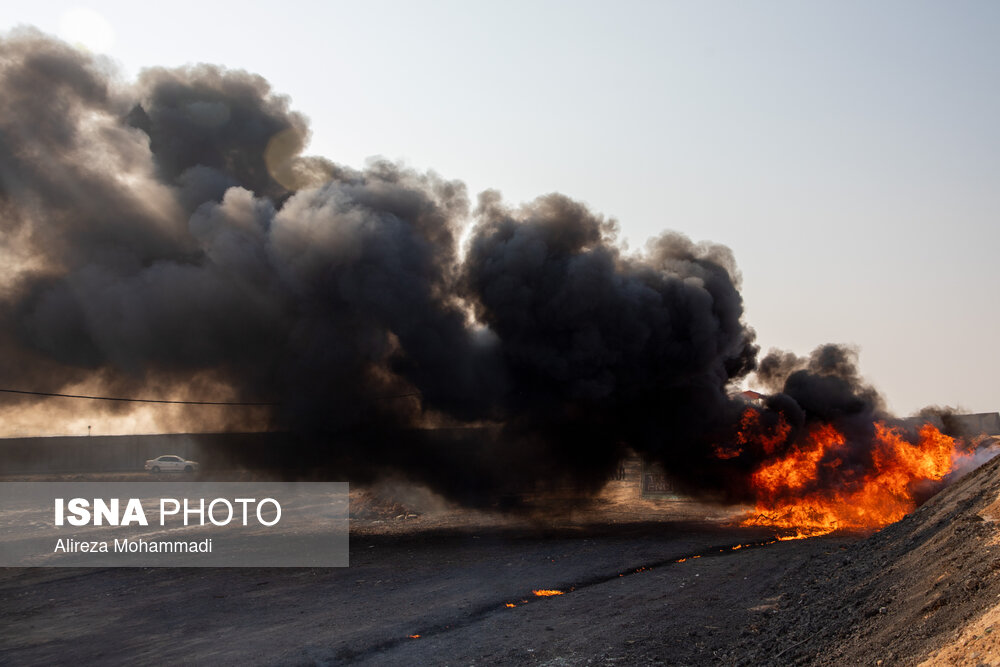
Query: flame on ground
x,y
819,485
544,593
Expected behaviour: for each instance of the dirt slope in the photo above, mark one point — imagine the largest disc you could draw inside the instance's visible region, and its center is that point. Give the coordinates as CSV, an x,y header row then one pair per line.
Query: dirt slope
x,y
925,590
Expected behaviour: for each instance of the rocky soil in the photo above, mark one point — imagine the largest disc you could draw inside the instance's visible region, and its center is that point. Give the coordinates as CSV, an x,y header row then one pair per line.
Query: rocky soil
x,y
644,582
925,590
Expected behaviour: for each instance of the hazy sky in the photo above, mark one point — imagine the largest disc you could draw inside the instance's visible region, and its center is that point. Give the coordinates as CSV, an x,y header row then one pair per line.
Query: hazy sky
x,y
847,152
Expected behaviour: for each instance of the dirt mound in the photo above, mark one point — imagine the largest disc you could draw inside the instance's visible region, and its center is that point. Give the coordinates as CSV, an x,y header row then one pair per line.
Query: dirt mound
x,y
925,590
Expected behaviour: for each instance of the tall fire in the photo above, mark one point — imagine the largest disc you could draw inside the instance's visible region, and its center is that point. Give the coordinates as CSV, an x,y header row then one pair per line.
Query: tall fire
x,y
824,482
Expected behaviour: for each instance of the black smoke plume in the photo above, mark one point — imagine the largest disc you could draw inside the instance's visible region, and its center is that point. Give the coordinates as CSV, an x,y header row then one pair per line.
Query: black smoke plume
x,y
168,237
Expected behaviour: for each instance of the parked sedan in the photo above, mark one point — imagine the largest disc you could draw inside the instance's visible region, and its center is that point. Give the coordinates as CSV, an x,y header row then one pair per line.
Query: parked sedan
x,y
170,463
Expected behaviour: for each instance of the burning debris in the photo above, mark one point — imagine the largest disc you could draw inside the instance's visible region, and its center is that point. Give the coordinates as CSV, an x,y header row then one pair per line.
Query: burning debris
x,y
827,457
788,495
169,237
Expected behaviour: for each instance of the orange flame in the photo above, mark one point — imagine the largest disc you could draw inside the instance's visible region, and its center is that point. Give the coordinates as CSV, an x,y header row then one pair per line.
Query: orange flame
x,y
544,593
858,497
753,431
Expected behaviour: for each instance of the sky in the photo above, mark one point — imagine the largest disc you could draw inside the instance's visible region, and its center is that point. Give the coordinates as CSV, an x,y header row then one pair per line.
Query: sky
x,y
847,152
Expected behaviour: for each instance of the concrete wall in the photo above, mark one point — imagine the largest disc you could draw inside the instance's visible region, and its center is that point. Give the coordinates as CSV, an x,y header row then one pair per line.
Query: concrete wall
x,y
120,453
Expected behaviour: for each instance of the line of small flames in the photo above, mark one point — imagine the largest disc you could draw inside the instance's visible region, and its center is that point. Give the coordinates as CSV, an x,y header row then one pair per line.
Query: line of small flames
x,y
554,592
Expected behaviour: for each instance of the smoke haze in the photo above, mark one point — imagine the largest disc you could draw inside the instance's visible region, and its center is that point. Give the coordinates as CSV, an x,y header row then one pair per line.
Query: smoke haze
x,y
168,238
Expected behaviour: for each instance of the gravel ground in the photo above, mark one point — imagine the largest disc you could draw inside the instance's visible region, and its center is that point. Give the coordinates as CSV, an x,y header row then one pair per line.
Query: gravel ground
x,y
643,582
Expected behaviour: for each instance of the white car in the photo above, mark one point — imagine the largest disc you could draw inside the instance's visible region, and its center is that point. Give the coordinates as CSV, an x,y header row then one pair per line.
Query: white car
x,y
170,463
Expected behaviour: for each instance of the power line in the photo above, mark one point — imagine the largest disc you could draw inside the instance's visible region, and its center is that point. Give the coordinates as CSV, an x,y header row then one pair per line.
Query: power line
x,y
155,400
131,400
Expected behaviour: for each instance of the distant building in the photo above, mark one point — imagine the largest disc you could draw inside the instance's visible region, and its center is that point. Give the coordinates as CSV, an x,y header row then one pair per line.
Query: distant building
x,y
982,423
751,396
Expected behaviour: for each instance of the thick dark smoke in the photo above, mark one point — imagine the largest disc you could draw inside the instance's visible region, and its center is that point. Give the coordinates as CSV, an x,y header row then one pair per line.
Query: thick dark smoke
x,y
168,237
824,388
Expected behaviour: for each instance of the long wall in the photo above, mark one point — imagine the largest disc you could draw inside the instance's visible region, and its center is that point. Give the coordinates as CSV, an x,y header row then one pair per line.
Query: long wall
x,y
116,453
